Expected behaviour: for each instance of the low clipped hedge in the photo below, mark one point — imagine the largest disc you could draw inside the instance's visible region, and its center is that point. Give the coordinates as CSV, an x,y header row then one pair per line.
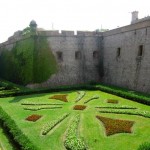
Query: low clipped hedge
x,y
17,135
72,140
125,93
50,125
145,114
144,146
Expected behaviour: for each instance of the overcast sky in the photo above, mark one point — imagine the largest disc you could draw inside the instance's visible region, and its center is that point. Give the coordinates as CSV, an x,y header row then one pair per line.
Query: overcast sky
x,y
68,14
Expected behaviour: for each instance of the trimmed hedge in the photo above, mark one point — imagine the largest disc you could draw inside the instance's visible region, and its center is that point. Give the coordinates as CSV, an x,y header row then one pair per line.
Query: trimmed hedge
x,y
72,140
134,96
144,146
81,94
36,108
92,98
125,93
116,107
50,125
145,114
19,137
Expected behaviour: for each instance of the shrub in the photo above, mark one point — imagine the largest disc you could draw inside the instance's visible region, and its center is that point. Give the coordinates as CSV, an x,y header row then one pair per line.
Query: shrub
x,y
145,114
50,125
72,141
92,98
125,93
144,146
38,103
136,96
117,107
81,94
18,136
35,108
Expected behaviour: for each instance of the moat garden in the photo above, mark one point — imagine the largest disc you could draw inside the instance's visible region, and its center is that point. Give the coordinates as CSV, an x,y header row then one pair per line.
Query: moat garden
x,y
78,119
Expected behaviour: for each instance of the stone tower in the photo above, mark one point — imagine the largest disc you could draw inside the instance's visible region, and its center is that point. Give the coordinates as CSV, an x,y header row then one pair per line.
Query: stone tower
x,y
134,16
33,25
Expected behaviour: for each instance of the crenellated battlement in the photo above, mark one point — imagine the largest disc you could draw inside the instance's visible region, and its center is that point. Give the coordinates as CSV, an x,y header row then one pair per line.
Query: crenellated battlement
x,y
17,36
69,33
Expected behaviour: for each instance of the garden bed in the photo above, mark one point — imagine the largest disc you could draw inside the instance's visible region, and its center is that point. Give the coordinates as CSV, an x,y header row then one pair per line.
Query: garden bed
x,y
79,107
112,101
114,126
33,118
60,97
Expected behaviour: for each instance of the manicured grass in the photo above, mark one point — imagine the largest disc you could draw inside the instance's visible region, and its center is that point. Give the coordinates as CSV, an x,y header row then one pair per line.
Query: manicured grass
x,y
90,129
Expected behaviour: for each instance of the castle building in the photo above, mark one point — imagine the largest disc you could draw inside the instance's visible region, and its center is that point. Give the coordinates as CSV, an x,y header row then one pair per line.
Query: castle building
x,y
118,57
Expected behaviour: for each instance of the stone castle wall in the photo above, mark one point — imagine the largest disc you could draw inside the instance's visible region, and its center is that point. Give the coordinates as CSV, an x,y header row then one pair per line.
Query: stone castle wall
x,y
130,69
118,57
79,60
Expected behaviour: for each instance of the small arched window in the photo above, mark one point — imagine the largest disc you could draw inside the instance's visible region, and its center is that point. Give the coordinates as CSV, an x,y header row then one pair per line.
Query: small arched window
x,y
77,55
59,56
140,52
95,54
118,52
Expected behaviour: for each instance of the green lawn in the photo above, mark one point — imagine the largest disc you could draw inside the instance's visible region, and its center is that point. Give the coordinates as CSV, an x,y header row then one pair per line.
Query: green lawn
x,y
90,128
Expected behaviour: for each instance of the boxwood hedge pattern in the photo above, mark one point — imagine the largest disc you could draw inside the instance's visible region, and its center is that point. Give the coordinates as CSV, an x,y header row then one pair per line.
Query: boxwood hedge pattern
x,y
145,114
92,98
35,108
50,125
72,141
81,94
116,107
17,135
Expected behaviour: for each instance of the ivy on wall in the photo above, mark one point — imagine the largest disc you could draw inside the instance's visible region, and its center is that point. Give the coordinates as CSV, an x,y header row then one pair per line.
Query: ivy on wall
x,y
29,61
44,60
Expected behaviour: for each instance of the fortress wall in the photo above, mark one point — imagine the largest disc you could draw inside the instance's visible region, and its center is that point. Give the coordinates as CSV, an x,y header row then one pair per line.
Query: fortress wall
x,y
128,28
74,70
128,70
97,56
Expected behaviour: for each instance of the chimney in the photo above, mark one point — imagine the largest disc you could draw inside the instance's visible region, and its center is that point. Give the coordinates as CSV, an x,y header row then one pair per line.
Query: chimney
x,y
134,16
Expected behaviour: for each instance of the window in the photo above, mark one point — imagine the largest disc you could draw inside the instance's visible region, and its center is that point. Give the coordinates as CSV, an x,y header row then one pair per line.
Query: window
x,y
59,56
118,52
140,52
135,32
95,54
146,31
77,55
